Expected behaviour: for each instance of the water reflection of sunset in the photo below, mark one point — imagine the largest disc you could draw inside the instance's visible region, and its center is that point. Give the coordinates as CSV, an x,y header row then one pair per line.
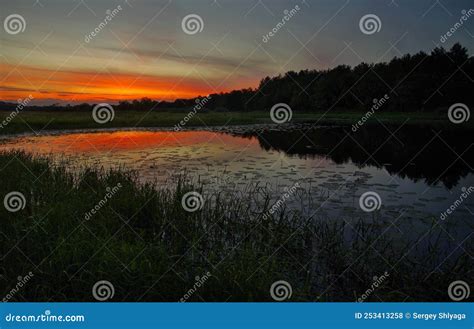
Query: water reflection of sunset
x,y
124,140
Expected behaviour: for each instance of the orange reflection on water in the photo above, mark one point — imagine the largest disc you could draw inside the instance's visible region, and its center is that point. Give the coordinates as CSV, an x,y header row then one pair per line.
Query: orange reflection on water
x,y
123,140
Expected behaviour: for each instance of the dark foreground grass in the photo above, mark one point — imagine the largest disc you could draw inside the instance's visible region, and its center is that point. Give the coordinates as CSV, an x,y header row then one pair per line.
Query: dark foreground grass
x,y
31,121
151,249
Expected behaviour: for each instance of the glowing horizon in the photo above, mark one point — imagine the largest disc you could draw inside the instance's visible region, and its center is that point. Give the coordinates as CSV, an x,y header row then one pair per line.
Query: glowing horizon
x,y
89,87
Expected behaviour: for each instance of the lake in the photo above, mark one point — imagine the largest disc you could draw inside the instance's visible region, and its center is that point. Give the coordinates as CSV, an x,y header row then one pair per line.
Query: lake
x,y
417,172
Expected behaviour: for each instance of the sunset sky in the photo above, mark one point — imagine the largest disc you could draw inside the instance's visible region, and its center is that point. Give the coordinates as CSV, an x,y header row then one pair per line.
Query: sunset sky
x,y
144,52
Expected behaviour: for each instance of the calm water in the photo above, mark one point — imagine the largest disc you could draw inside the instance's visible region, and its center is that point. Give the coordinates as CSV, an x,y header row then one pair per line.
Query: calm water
x,y
417,172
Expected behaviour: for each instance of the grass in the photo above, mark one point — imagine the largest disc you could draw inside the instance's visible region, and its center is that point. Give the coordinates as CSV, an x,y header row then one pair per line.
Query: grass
x,y
151,249
30,121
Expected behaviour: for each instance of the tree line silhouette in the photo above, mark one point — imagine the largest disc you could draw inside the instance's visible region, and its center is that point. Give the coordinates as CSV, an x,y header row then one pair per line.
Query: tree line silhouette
x,y
420,82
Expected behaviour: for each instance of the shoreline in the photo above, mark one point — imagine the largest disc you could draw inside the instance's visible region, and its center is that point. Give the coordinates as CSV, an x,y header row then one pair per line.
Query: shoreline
x,y
51,121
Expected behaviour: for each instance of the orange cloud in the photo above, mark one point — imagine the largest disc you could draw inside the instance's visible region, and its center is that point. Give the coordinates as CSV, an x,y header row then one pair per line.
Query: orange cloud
x,y
77,86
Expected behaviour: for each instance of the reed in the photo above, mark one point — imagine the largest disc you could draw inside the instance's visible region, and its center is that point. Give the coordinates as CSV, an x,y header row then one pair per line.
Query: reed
x,y
150,248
